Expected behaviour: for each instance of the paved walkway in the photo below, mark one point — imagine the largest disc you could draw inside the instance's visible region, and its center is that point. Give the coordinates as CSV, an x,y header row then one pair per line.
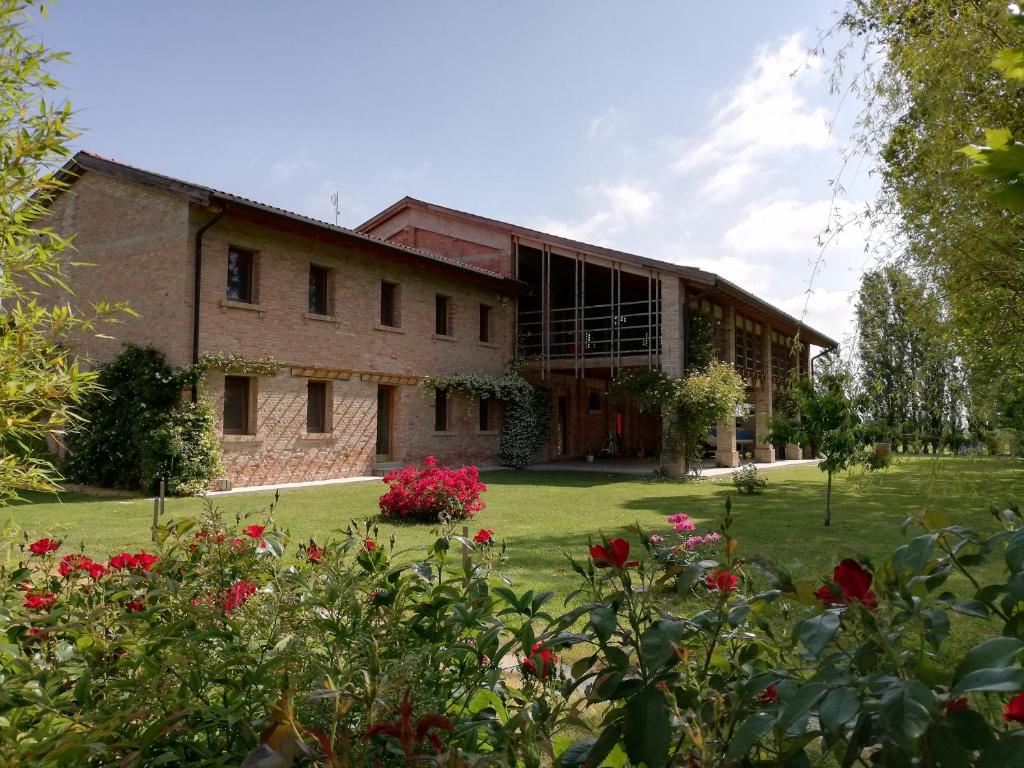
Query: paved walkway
x,y
287,486
649,466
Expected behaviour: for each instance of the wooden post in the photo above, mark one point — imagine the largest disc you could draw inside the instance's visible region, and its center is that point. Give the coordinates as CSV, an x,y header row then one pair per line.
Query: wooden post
x,y
465,551
158,508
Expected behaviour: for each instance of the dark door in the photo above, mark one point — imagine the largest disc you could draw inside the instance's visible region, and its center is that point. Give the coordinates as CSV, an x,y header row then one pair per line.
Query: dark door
x,y
385,398
563,425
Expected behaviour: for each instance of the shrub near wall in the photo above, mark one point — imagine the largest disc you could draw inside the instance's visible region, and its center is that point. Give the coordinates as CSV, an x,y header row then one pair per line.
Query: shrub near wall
x,y
136,430
433,493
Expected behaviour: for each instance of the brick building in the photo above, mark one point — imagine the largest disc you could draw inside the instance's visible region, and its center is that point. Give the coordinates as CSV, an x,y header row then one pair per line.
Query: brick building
x,y
358,317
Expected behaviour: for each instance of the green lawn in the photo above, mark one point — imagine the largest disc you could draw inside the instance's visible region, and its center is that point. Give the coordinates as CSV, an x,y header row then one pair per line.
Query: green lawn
x,y
542,515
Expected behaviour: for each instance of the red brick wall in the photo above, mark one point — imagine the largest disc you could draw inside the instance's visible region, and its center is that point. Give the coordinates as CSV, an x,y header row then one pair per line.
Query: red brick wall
x,y
137,238
466,251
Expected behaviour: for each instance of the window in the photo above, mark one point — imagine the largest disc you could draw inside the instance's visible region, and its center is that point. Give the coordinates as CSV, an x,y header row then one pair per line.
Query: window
x,y
389,304
237,406
441,306
317,407
485,323
440,411
319,290
485,414
240,275
594,401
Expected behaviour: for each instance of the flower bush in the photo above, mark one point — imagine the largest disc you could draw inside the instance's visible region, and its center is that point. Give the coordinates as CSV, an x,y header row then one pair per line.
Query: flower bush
x,y
748,480
432,493
228,644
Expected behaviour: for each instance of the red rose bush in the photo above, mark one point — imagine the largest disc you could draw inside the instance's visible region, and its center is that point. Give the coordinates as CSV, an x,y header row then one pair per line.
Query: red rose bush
x,y
432,493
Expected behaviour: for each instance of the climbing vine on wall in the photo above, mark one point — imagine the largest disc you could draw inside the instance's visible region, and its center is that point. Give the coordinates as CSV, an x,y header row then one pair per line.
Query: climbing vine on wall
x,y
235,364
700,339
693,404
526,426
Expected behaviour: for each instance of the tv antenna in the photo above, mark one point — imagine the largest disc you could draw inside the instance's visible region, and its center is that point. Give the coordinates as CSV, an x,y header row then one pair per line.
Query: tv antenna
x,y
334,201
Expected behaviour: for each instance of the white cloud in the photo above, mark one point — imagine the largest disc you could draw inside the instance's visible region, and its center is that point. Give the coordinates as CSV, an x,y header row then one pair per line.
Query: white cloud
x,y
761,116
616,207
788,226
828,311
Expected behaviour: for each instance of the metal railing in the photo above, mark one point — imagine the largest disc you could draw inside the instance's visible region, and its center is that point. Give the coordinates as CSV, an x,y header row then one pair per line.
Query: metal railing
x,y
594,331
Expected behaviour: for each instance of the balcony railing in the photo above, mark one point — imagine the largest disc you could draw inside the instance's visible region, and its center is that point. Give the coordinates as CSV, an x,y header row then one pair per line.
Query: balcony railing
x,y
628,329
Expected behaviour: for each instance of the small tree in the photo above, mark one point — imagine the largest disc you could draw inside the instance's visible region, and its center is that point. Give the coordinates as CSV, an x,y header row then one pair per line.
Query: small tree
x,y
830,422
40,375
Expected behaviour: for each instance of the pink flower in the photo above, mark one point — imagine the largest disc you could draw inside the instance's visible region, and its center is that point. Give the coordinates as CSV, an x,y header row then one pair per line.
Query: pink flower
x,y
712,538
656,539
693,542
679,518
684,525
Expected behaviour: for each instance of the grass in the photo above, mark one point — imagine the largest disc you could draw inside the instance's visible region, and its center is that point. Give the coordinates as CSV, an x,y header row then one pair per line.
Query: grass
x,y
543,515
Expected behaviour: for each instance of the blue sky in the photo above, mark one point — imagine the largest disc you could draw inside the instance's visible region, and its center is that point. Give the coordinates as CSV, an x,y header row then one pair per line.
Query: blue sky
x,y
670,129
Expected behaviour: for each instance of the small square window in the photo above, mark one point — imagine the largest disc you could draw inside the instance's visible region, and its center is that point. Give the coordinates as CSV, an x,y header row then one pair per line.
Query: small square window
x,y
238,405
485,323
594,401
317,411
442,305
485,414
440,411
240,285
319,290
389,304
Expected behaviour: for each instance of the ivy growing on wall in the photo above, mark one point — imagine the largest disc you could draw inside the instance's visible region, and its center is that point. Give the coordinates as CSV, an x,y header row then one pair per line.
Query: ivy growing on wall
x,y
236,364
700,339
526,426
693,403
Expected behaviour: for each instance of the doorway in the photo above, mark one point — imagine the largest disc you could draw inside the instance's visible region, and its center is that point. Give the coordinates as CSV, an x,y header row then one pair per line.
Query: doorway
x,y
563,425
385,419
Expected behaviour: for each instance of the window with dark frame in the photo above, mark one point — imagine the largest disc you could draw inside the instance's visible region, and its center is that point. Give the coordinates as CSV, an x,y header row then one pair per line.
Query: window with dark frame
x,y
240,275
319,290
485,414
440,411
236,405
389,304
594,401
316,407
441,306
485,323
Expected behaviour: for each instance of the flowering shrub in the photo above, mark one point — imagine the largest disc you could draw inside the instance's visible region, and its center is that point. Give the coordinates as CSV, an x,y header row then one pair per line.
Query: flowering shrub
x,y
687,546
748,480
227,644
432,493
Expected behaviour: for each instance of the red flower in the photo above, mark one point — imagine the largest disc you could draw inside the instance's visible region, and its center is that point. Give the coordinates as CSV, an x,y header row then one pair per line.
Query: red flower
x,y
370,545
722,580
253,531
124,560
135,606
770,695
96,570
1014,709
145,560
484,536
38,634
957,705
540,662
614,555
42,546
854,585
409,738
39,601
236,595
313,553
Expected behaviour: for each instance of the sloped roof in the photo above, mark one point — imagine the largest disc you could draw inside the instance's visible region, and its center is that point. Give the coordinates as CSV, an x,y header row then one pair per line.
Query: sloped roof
x,y
211,197
693,274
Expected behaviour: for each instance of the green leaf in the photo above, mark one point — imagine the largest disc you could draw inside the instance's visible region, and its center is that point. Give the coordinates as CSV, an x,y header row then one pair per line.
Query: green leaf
x,y
646,728
996,652
575,756
1005,753
658,643
796,709
818,632
752,729
603,621
605,743
905,712
839,707
995,680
